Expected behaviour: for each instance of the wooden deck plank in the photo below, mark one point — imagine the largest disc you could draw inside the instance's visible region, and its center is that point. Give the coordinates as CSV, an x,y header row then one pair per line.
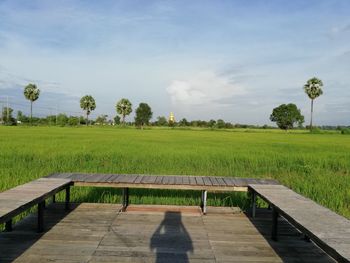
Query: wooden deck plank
x,y
97,233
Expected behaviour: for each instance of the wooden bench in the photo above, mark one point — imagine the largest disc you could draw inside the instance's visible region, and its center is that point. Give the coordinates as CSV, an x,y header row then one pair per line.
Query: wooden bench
x,y
179,182
17,200
330,231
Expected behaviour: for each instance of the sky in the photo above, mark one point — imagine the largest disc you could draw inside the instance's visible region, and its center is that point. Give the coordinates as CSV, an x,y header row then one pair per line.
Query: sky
x,y
234,60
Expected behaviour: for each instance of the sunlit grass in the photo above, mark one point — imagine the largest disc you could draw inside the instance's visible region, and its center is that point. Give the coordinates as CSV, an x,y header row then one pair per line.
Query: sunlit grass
x,y
316,165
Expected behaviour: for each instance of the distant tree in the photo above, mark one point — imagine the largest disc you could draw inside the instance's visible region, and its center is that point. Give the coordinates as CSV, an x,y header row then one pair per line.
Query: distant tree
x,y
88,104
31,93
313,89
228,125
124,108
117,120
21,117
82,120
51,119
211,123
101,120
143,115
62,119
7,117
286,115
73,121
161,121
183,122
220,124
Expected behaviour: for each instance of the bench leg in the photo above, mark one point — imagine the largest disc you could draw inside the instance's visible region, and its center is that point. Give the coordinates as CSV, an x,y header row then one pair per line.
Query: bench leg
x,y
41,216
306,238
67,206
54,199
253,204
8,226
125,198
204,202
274,224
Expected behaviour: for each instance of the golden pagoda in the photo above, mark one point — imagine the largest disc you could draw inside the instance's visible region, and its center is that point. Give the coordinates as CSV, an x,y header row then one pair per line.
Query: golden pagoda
x,y
171,117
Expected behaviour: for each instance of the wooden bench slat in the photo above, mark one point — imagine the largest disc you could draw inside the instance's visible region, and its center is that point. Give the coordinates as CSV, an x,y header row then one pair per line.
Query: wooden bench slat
x,y
178,180
16,200
207,181
327,229
192,180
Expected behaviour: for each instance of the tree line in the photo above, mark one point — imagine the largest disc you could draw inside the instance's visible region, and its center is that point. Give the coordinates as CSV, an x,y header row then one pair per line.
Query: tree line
x,y
286,116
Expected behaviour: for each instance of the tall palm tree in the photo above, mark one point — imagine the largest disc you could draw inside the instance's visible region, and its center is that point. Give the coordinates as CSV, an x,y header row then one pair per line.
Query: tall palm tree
x,y
31,93
313,88
88,104
124,108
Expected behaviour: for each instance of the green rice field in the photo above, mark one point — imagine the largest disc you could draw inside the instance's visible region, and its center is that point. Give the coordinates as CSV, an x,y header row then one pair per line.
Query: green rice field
x,y
315,165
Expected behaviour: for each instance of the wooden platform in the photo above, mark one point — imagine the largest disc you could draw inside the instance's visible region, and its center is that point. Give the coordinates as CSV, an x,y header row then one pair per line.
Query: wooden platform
x,y
326,228
184,182
98,233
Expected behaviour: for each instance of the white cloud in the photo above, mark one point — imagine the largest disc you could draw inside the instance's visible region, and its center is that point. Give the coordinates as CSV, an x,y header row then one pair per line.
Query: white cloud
x,y
203,88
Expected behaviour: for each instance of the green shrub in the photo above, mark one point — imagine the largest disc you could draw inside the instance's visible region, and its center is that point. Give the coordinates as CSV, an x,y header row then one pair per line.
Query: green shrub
x,y
316,131
345,131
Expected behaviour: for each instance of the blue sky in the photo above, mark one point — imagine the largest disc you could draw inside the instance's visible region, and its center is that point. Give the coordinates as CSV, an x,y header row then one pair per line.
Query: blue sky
x,y
235,60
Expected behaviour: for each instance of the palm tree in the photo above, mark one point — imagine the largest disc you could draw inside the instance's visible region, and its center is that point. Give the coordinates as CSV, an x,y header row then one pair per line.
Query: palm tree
x,y
124,108
31,93
88,104
313,88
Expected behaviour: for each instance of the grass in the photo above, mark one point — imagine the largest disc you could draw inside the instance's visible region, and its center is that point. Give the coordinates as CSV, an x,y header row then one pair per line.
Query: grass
x,y
315,165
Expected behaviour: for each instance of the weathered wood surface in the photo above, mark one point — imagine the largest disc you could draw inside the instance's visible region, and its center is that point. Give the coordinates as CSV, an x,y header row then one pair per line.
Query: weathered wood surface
x,y
326,228
98,233
184,182
22,197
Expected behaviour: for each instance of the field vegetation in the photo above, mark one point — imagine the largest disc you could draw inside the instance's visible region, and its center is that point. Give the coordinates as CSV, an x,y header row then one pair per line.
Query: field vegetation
x,y
315,165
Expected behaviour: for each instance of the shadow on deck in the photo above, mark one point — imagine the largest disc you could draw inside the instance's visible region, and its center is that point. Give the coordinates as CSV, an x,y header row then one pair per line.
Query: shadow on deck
x,y
99,233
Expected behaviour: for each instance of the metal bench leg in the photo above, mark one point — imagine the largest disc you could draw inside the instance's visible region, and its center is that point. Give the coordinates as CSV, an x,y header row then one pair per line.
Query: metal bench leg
x,y
8,226
253,204
274,224
201,204
54,199
67,204
204,201
41,216
125,198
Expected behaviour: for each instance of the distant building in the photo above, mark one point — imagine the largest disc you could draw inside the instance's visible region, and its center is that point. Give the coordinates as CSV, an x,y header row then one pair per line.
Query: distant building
x,y
171,118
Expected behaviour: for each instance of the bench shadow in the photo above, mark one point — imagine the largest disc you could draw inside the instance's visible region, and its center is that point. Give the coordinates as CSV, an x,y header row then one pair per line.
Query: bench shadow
x,y
24,234
291,245
171,241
